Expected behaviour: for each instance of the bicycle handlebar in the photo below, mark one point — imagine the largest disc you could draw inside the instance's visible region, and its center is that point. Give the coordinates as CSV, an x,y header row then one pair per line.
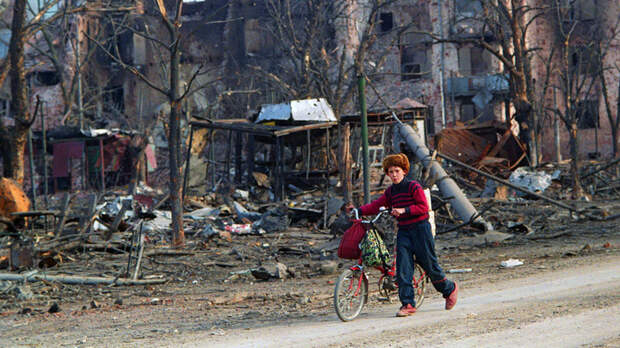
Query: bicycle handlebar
x,y
382,211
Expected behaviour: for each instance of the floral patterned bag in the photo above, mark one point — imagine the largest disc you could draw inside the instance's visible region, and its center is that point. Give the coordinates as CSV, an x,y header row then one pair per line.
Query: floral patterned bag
x,y
374,251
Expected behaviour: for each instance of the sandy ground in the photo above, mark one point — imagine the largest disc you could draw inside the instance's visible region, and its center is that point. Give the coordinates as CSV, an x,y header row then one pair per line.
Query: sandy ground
x,y
566,294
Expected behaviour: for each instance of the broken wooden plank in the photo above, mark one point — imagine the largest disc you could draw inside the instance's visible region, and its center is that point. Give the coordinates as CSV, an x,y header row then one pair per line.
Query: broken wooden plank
x,y
86,221
63,214
68,279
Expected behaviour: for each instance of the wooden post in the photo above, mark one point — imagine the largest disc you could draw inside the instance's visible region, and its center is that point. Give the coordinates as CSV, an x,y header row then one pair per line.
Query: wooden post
x,y
102,165
228,155
282,187
251,155
87,220
44,152
238,156
308,149
347,185
212,159
187,162
326,197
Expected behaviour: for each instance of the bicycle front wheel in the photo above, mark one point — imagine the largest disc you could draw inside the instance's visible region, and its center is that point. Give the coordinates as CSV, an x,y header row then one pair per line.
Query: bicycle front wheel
x,y
350,294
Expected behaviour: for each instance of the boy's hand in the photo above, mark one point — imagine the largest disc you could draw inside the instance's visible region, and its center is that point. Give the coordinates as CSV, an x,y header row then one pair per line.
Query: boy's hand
x,y
398,211
348,208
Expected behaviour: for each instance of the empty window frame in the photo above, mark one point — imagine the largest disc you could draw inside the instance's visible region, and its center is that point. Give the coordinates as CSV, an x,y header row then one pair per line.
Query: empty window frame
x,y
415,62
587,114
584,60
467,8
473,61
468,110
386,21
580,10
114,100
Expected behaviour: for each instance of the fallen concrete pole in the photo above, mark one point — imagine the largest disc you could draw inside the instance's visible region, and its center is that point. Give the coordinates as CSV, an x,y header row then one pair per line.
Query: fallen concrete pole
x,y
67,279
404,134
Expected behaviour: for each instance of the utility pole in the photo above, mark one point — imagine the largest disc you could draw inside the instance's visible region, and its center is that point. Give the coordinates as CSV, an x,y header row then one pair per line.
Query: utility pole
x,y
366,169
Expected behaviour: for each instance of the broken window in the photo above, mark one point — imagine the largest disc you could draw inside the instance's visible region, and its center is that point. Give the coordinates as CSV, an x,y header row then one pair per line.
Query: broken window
x,y
587,114
473,61
258,40
45,78
467,8
114,100
386,21
580,10
415,62
4,107
584,60
468,110
5,38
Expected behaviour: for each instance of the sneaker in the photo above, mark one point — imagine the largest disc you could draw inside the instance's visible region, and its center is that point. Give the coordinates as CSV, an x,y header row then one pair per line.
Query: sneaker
x,y
451,299
406,310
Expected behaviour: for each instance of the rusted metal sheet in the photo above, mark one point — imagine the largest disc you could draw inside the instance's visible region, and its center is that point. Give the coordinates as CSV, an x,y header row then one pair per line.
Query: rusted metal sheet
x,y
462,144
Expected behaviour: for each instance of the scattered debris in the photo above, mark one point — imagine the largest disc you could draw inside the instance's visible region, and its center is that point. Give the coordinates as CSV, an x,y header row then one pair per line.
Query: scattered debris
x,y
511,263
460,270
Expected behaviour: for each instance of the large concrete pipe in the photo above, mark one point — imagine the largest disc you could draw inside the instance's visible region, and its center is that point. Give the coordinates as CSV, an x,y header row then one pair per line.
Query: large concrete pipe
x,y
403,134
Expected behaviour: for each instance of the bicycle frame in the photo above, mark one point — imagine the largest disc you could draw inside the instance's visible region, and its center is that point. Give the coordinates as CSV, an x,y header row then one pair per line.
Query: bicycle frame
x,y
390,272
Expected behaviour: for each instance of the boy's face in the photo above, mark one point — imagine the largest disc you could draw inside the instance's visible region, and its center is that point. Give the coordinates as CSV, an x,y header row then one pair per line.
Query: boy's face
x,y
396,174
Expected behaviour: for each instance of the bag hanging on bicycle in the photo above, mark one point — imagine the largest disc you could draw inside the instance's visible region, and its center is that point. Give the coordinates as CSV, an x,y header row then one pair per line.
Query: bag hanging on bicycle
x,y
349,244
374,251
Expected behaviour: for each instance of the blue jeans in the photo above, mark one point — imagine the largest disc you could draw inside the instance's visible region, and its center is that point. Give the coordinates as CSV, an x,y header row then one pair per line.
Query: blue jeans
x,y
415,243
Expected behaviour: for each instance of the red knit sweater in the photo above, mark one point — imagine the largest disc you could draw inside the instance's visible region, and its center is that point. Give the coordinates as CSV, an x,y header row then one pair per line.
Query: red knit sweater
x,y
406,194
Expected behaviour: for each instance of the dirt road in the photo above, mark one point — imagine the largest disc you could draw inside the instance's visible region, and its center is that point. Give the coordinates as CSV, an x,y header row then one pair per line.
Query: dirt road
x,y
565,294
576,307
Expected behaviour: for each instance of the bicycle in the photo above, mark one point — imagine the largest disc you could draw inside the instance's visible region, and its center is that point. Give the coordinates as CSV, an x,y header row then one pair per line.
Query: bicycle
x,y
351,289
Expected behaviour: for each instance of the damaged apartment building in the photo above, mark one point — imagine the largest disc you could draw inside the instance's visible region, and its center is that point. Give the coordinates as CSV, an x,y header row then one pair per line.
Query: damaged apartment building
x,y
241,48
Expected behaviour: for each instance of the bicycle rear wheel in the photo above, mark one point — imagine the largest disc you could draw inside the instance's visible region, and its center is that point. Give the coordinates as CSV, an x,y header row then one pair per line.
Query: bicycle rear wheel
x,y
419,285
350,294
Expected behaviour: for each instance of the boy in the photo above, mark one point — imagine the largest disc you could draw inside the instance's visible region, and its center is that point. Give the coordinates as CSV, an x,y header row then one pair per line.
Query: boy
x,y
408,203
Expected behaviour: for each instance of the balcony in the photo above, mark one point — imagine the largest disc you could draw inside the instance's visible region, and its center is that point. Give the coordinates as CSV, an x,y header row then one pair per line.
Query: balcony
x,y
469,86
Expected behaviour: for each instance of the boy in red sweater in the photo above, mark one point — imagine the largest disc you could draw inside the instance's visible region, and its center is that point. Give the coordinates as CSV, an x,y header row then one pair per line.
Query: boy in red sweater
x,y
414,239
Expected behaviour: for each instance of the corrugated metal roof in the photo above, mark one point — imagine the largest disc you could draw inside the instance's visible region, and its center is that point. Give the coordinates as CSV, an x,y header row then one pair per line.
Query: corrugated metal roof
x,y
317,110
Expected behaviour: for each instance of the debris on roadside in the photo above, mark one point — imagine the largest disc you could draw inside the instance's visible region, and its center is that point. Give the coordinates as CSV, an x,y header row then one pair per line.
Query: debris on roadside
x,y
511,263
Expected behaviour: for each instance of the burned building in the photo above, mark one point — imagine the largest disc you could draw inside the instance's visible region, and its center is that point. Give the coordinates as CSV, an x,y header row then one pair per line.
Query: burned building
x,y
252,53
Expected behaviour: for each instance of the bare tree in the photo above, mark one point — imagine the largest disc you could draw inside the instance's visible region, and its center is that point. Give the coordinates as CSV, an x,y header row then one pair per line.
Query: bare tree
x,y
503,30
14,140
168,46
583,44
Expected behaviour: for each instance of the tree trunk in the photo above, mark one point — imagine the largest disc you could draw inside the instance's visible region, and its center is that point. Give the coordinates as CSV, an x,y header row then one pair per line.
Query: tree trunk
x,y
574,152
19,95
174,146
345,163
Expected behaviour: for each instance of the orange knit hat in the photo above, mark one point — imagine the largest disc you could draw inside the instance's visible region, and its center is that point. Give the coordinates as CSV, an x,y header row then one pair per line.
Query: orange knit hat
x,y
397,160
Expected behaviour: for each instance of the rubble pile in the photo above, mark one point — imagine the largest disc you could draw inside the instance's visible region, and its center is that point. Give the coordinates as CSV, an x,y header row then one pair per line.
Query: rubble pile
x,y
242,235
